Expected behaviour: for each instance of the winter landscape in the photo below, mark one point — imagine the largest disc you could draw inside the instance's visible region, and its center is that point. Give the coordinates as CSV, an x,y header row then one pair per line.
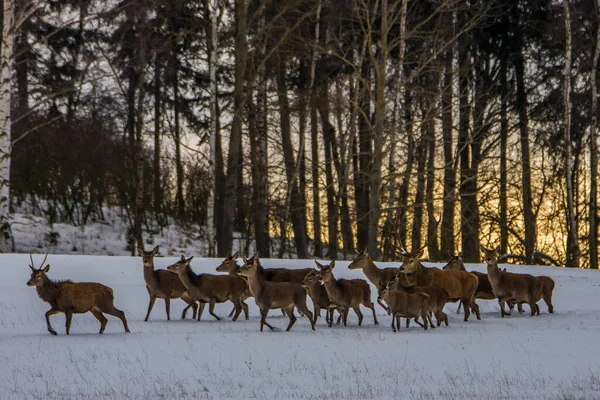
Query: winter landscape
x,y
405,132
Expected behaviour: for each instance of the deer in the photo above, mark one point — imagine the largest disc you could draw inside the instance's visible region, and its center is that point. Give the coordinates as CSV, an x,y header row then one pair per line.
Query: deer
x,y
270,295
545,292
484,287
405,305
511,287
372,272
438,298
460,285
230,266
162,284
73,298
318,294
346,293
211,289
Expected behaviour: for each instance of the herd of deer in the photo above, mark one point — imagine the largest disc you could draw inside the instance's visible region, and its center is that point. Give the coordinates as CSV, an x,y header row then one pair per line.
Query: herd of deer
x,y
412,291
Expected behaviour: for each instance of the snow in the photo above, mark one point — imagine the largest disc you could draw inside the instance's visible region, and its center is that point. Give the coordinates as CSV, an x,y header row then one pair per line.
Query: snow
x,y
516,357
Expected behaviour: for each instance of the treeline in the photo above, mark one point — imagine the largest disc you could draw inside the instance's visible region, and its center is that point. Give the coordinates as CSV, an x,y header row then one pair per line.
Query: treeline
x,y
313,128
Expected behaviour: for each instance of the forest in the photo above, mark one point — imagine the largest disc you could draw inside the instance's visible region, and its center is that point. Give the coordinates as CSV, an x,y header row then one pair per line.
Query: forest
x,y
309,128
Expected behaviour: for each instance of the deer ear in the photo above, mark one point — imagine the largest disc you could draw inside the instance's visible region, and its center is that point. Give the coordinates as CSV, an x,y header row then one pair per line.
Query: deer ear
x,y
155,250
140,250
46,269
189,260
460,255
450,253
421,252
332,264
245,260
318,265
182,258
366,251
235,255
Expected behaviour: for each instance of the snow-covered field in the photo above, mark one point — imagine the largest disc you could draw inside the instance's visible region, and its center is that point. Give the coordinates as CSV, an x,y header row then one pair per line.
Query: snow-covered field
x,y
519,357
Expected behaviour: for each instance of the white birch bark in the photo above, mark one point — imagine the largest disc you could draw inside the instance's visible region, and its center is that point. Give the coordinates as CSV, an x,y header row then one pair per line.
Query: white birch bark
x,y
6,60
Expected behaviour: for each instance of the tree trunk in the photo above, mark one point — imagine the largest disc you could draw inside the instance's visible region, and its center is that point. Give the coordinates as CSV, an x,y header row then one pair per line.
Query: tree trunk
x,y
468,193
407,175
329,140
361,182
593,217
8,32
528,215
212,68
504,142
447,229
179,200
416,239
293,200
314,150
429,130
573,252
233,158
157,133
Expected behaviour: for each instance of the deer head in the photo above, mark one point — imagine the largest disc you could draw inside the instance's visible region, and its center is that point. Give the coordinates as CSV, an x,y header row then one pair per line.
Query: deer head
x,y
456,262
229,264
361,259
148,256
38,275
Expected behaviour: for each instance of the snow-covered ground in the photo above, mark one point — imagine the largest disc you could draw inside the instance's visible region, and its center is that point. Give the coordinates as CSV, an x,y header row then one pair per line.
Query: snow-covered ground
x,y
518,357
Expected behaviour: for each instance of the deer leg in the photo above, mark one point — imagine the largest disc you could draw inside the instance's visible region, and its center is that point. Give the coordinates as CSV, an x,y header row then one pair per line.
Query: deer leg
x,y
201,309
112,310
346,309
150,305
238,309
429,319
168,307
52,311
245,308
466,307
475,309
303,309
317,313
386,308
408,322
520,308
359,314
190,304
459,304
263,319
374,315
100,317
548,301
502,303
69,317
292,317
394,322
424,317
211,309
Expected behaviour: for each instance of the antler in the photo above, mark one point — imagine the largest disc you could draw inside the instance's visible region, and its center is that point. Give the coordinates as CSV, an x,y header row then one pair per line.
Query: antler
x,y
45,257
31,258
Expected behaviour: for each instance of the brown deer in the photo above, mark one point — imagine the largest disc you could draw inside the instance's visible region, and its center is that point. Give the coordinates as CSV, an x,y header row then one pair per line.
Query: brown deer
x,y
230,266
211,289
273,295
508,286
405,305
372,272
347,293
460,285
484,287
545,292
318,294
438,298
162,284
74,298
